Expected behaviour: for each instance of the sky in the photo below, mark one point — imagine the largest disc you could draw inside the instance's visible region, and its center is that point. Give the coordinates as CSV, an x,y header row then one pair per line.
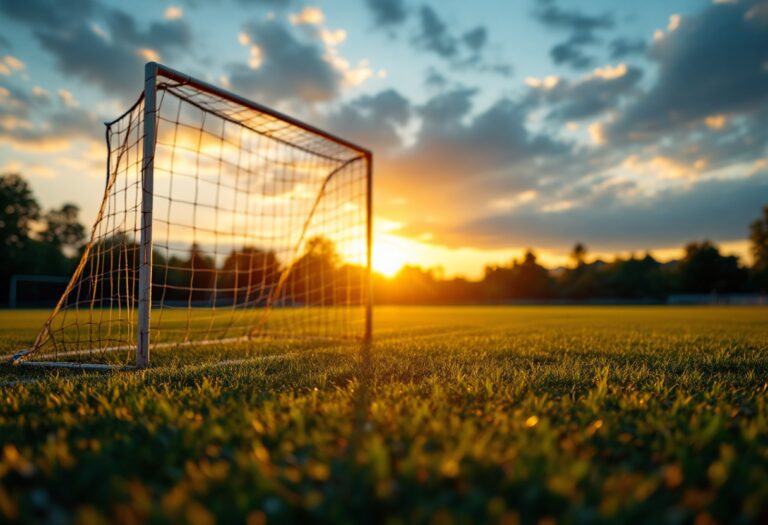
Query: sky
x,y
496,126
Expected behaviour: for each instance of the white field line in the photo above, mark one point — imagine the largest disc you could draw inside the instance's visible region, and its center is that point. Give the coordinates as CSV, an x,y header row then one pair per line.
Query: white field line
x,y
150,370
178,344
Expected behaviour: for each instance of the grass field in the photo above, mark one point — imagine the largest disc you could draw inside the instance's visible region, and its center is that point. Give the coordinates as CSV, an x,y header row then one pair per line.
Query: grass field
x,y
455,415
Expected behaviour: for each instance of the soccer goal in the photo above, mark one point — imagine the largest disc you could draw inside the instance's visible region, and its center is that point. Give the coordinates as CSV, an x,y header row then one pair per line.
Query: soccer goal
x,y
222,221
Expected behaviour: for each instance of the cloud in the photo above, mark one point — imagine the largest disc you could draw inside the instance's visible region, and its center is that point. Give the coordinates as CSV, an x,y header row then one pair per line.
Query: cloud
x,y
288,69
173,12
606,222
624,47
581,27
459,156
373,120
475,39
433,34
462,51
308,16
49,13
387,13
68,99
81,47
9,64
713,63
588,97
55,133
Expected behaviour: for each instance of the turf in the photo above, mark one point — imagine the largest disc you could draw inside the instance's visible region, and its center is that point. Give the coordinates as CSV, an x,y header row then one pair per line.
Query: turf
x,y
455,415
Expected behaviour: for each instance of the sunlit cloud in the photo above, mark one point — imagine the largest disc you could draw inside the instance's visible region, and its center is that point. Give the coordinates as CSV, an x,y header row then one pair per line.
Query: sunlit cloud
x,y
715,121
31,169
10,64
12,122
39,92
664,167
597,133
68,99
508,203
547,82
610,72
255,57
309,15
173,13
332,38
150,55
674,22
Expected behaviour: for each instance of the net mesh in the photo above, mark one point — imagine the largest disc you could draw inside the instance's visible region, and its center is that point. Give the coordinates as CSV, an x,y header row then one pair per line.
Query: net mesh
x,y
258,230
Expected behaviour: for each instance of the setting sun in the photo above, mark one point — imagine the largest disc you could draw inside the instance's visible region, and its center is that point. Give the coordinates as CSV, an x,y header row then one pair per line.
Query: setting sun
x,y
388,255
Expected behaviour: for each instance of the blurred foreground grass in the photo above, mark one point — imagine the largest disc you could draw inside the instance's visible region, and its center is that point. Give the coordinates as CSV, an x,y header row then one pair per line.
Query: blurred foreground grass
x,y
455,415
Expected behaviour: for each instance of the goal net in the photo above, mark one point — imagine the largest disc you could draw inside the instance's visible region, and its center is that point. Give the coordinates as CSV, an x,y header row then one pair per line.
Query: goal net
x,y
221,221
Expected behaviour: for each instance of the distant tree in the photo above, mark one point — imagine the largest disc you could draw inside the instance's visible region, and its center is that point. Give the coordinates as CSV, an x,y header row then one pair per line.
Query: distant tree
x,y
579,254
758,236
636,278
705,270
201,273
249,275
311,279
531,280
63,229
498,282
415,285
19,212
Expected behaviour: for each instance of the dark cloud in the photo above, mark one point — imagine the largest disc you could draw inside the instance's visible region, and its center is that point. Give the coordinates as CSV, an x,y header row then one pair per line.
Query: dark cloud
x,y
624,47
433,34
571,53
387,13
713,63
551,15
373,120
161,36
668,219
588,97
290,69
435,79
81,52
465,51
475,39
475,155
66,31
49,13
273,4
30,122
581,27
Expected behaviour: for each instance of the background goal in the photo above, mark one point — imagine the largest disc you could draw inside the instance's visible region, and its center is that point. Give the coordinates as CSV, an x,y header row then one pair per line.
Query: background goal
x,y
222,220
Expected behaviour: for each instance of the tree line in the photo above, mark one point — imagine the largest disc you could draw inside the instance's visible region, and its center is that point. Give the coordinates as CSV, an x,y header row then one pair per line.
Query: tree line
x,y
51,243
701,270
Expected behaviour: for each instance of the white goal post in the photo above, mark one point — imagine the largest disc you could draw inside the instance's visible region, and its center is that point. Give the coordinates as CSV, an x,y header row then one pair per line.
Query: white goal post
x,y
222,220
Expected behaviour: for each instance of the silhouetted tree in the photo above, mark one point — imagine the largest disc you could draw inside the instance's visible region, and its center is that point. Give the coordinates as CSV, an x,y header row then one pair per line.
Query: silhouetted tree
x,y
249,275
758,237
311,279
200,269
578,254
705,270
637,278
63,228
19,210
531,280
